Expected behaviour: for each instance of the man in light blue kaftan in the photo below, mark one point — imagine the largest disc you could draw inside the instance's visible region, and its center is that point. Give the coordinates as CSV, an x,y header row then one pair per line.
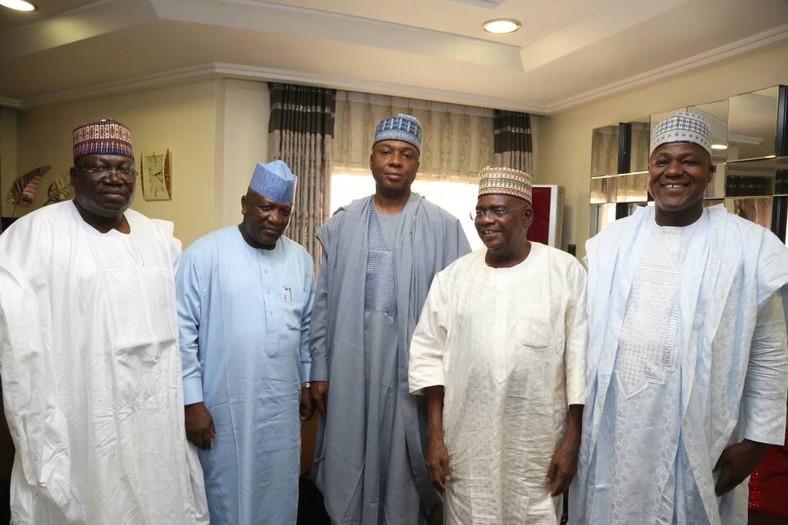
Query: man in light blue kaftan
x,y
380,254
687,361
244,303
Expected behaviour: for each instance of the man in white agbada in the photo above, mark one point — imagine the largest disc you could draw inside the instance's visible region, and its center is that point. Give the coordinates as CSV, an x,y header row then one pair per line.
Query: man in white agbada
x,y
245,304
499,351
687,361
90,363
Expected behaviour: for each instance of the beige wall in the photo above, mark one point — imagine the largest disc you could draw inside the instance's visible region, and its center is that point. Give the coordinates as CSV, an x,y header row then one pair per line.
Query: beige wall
x,y
245,137
215,131
565,139
8,147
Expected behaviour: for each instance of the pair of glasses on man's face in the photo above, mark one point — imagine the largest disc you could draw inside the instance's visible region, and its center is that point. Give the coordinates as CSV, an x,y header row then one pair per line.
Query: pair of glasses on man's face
x,y
498,213
101,172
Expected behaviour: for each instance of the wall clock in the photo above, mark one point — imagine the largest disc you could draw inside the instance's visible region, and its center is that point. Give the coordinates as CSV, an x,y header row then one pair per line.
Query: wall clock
x,y
155,176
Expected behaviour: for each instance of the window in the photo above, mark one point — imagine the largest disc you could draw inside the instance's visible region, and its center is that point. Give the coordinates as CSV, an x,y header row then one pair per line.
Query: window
x,y
457,197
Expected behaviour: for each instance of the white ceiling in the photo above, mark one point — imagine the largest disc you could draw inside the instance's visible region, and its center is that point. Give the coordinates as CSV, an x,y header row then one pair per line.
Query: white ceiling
x,y
567,52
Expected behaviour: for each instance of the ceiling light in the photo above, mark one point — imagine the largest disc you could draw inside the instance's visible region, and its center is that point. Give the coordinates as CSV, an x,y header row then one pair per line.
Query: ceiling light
x,y
18,5
501,26
719,146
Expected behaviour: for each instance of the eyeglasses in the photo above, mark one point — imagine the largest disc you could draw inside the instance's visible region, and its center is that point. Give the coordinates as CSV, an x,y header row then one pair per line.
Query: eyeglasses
x,y
499,213
101,172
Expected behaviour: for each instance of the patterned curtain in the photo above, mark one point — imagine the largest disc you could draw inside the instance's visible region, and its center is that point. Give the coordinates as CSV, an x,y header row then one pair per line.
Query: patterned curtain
x,y
513,143
301,133
457,140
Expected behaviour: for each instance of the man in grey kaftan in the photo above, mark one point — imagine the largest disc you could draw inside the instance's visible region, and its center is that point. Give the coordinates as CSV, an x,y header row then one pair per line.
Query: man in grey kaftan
x,y
687,350
380,254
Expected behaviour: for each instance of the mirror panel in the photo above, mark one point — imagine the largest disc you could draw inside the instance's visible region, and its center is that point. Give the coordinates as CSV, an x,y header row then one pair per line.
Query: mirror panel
x,y
781,181
632,187
602,215
716,188
604,151
755,209
641,137
752,124
603,189
756,177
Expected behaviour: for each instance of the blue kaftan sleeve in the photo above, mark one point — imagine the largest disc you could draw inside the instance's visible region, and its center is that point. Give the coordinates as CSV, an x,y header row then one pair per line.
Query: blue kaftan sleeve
x,y
187,287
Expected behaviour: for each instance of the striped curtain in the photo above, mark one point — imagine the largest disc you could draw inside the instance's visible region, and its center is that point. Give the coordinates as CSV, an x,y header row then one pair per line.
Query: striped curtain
x,y
513,142
301,133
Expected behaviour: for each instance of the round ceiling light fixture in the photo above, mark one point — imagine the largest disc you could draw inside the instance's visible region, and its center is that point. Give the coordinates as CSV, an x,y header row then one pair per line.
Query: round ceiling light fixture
x,y
501,26
18,5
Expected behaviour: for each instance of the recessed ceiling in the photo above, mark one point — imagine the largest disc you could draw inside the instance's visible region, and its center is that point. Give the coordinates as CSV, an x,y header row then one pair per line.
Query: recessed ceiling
x,y
565,54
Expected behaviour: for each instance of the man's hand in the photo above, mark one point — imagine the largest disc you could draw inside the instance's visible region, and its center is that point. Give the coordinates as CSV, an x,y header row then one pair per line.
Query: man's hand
x,y
199,425
318,391
735,464
305,407
563,465
437,456
438,462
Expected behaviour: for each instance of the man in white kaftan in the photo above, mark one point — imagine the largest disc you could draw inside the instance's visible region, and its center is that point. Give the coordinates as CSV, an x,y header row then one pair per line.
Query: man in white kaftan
x,y
244,302
90,362
687,350
501,341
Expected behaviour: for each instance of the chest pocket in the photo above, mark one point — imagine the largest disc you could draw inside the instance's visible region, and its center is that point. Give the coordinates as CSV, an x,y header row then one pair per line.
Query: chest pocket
x,y
290,311
533,326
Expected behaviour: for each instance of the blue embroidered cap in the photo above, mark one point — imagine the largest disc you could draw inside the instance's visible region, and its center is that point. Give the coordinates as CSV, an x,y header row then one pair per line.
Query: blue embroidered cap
x,y
274,181
682,127
406,128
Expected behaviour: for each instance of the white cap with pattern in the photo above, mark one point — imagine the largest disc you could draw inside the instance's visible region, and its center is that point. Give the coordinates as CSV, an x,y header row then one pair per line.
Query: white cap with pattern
x,y
682,127
505,181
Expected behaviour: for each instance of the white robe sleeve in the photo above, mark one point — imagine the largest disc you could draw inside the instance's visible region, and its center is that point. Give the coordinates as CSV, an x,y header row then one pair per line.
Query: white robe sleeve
x,y
576,326
763,401
174,245
428,345
38,427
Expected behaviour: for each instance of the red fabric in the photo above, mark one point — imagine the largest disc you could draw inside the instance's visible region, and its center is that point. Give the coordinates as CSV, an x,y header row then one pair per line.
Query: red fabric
x,y
769,483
